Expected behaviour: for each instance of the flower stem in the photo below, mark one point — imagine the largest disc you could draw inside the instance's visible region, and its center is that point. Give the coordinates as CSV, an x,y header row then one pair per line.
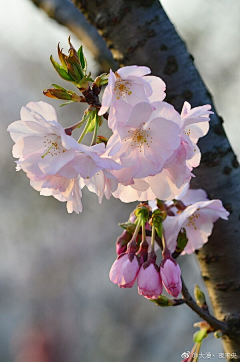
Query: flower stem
x,y
84,131
153,238
95,132
69,130
135,234
164,244
143,230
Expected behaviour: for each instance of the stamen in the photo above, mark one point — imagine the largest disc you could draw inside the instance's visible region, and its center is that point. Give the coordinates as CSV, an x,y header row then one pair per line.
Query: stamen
x,y
192,219
53,148
139,138
122,87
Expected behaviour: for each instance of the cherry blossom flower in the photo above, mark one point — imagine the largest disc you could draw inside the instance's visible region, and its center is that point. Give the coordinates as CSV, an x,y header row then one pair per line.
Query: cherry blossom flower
x,y
124,271
171,276
197,219
145,142
133,86
43,147
41,140
51,158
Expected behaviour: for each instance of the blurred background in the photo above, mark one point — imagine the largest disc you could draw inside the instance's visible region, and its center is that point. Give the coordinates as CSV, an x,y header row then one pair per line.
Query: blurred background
x,y
56,301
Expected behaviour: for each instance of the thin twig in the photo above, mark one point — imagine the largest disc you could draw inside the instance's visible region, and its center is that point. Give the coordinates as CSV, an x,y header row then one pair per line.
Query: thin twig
x,y
215,323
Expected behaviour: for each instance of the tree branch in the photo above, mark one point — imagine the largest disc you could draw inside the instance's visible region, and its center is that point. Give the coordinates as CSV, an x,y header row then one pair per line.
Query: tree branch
x,y
215,323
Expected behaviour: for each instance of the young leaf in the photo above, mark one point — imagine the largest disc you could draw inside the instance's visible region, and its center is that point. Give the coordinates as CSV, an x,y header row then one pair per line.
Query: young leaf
x,y
82,59
63,74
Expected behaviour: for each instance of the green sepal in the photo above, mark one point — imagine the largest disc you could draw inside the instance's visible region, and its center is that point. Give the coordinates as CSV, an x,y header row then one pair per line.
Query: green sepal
x,y
200,335
182,240
92,118
61,71
100,120
129,226
101,79
142,212
82,58
157,219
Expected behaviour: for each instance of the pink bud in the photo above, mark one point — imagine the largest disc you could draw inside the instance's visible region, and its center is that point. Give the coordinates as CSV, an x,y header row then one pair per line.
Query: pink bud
x,y
124,270
149,280
122,241
171,276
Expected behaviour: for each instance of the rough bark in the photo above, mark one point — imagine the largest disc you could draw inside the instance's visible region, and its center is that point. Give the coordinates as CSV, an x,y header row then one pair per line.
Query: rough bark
x,y
64,12
139,32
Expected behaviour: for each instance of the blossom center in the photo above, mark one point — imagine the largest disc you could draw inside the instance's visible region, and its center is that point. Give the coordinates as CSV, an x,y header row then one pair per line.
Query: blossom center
x,y
139,138
122,87
193,218
53,146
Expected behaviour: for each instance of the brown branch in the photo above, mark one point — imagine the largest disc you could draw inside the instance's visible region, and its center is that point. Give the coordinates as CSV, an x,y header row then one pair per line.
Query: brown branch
x,y
215,323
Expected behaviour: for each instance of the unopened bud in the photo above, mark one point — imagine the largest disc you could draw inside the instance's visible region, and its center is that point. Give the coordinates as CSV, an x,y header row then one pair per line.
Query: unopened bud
x,y
200,297
62,93
149,280
124,270
143,251
171,275
218,334
122,241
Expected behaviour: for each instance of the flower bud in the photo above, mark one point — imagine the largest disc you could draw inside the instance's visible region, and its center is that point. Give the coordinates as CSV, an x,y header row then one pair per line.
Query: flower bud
x,y
122,241
62,93
124,271
149,280
171,276
143,252
200,297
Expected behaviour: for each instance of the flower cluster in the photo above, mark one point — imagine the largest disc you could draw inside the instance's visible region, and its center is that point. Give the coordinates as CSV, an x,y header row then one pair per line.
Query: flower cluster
x,y
55,163
137,262
149,156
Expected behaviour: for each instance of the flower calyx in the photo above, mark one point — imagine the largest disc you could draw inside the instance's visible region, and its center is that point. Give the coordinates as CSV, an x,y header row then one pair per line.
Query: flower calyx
x,y
182,241
142,212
